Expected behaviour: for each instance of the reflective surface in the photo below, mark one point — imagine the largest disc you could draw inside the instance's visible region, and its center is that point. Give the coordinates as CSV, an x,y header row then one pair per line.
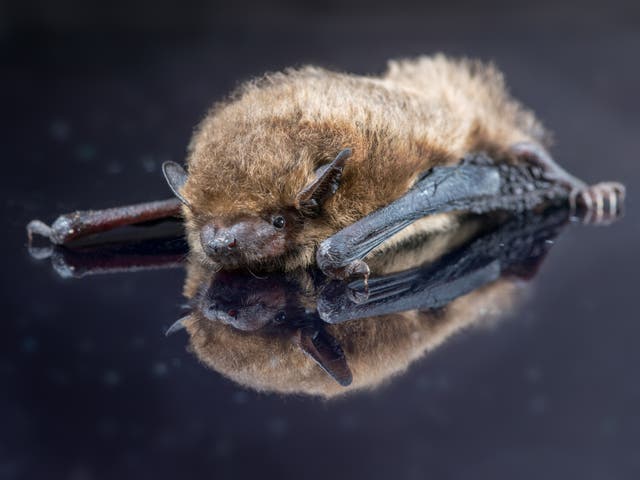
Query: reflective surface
x,y
92,388
302,333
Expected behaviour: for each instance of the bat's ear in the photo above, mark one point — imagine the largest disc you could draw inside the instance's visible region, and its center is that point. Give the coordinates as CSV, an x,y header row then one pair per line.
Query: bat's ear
x,y
326,352
176,177
309,201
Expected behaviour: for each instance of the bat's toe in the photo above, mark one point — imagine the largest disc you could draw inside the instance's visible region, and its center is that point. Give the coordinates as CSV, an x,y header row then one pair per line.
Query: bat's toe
x,y
599,204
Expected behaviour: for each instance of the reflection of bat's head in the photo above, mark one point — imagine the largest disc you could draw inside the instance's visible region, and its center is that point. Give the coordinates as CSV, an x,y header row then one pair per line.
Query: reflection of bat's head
x,y
241,301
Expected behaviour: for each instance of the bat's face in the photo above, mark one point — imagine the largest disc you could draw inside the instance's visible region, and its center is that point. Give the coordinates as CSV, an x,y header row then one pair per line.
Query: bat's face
x,y
245,240
255,225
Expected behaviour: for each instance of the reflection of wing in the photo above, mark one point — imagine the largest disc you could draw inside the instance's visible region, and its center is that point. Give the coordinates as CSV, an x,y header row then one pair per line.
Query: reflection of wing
x,y
517,247
407,291
326,352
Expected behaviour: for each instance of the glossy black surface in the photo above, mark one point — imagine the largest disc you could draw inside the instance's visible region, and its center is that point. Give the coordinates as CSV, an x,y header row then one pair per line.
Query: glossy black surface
x,y
91,387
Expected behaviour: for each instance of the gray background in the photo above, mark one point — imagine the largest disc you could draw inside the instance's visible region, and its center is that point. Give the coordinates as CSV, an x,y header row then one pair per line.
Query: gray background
x,y
95,98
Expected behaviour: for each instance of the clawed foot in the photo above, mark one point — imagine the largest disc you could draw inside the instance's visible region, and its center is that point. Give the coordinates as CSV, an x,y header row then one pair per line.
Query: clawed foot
x,y
599,204
64,229
38,227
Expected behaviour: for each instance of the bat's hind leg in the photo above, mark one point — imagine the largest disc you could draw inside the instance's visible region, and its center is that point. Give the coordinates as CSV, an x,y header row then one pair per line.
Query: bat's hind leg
x,y
598,204
80,224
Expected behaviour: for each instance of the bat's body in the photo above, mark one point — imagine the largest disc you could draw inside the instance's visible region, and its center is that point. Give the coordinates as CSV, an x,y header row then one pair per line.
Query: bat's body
x,y
310,165
256,152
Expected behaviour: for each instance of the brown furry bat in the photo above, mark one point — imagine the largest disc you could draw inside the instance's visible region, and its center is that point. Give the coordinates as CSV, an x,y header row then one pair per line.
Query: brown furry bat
x,y
313,166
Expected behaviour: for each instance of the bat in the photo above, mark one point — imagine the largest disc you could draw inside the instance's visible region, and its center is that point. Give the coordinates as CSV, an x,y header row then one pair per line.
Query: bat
x,y
311,166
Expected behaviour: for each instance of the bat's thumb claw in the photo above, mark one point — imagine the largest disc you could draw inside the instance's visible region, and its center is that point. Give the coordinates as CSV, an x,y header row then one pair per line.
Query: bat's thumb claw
x,y
38,227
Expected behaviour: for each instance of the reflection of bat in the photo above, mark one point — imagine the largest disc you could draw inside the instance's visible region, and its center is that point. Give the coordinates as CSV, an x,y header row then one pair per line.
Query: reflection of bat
x,y
311,165
272,333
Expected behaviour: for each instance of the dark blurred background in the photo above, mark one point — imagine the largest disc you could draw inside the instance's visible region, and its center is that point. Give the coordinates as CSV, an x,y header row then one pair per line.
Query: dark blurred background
x,y
95,96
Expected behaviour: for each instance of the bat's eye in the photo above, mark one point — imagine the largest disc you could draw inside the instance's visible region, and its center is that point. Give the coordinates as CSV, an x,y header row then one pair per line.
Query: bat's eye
x,y
278,221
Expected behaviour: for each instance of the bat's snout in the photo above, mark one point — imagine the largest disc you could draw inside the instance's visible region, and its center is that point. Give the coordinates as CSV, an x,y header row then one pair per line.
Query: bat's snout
x,y
252,237
216,242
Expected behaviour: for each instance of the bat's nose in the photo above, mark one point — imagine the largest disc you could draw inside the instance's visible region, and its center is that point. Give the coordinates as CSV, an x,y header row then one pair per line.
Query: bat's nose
x,y
217,242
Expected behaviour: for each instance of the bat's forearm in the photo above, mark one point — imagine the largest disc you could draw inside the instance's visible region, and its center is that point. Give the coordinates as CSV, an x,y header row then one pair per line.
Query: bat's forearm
x,y
467,187
445,189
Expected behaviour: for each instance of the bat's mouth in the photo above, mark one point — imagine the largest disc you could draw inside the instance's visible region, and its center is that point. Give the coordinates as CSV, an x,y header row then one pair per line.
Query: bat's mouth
x,y
244,260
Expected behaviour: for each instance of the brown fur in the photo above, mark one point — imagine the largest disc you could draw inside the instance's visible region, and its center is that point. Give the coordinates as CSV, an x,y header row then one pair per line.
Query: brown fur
x,y
376,348
253,153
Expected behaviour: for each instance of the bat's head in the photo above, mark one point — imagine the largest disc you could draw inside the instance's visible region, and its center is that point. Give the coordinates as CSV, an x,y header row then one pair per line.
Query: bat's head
x,y
263,187
271,220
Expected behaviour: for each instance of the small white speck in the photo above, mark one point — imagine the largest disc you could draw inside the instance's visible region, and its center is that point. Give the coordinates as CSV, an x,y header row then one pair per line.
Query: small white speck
x,y
533,374
160,369
59,130
277,426
538,405
223,448
114,168
111,378
29,345
85,152
240,398
148,163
